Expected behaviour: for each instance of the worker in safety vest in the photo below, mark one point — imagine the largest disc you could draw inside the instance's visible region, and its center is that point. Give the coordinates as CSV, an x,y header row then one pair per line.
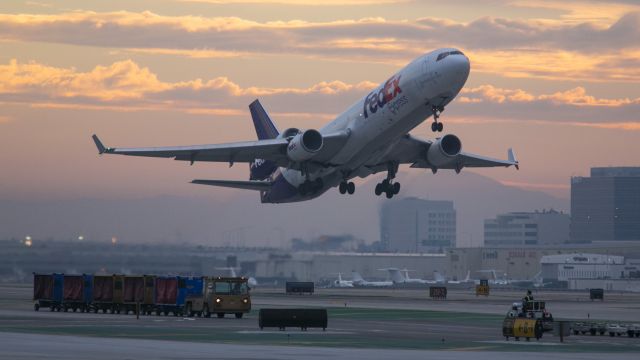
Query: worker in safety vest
x,y
528,298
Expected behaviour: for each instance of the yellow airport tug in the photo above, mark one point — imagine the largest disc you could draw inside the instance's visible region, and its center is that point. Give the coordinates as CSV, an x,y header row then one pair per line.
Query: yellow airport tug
x,y
528,319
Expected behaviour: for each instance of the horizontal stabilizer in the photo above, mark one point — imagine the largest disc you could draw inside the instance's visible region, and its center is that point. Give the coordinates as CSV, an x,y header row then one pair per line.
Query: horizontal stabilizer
x,y
246,185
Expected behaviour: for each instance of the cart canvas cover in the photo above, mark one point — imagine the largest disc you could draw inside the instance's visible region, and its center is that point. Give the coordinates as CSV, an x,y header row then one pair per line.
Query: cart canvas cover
x,y
166,290
73,286
133,289
43,287
103,288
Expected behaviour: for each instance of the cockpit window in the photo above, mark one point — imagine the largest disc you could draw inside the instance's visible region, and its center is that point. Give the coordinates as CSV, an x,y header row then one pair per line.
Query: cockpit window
x,y
447,53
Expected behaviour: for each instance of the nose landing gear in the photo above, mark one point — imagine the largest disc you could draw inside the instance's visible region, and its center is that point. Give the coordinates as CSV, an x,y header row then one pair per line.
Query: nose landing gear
x,y
435,125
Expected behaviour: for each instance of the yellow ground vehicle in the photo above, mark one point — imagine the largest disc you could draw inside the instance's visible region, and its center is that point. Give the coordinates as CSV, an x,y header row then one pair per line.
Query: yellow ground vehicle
x,y
222,295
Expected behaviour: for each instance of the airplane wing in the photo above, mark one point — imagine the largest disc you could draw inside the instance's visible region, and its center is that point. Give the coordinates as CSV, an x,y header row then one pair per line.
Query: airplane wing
x,y
411,150
248,151
246,185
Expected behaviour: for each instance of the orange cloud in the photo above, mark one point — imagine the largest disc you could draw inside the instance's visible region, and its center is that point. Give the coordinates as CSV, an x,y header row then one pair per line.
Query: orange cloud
x,y
301,2
576,96
126,86
124,79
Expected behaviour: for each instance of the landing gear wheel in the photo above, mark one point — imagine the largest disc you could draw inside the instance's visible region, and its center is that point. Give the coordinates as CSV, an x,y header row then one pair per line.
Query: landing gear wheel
x,y
434,126
439,127
379,189
396,188
342,187
351,188
389,193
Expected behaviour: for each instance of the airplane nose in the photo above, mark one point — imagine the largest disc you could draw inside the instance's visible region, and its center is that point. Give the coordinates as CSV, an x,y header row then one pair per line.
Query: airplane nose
x,y
457,69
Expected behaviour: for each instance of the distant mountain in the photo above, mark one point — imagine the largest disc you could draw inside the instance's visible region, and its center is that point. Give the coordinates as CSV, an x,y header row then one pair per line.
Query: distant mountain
x,y
244,221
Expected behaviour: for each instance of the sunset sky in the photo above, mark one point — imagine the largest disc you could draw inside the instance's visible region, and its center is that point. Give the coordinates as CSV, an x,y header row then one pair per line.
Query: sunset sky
x,y
556,80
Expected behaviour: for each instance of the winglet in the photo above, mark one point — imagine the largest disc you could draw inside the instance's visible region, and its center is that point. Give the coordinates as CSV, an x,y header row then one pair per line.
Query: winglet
x,y
513,159
101,148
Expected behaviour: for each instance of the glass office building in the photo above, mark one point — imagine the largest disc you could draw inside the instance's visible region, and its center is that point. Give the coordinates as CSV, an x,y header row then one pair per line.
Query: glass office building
x,y
606,205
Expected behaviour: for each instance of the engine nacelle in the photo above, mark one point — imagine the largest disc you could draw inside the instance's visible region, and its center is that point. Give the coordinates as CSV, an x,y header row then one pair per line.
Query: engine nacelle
x,y
444,150
304,145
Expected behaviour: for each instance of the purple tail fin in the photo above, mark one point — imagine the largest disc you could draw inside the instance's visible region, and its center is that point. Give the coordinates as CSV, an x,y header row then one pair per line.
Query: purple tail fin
x,y
265,129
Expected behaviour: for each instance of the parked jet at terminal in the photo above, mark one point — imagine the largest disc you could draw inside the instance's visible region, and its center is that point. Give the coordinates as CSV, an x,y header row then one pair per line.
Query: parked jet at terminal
x,y
358,280
402,277
369,137
339,283
466,280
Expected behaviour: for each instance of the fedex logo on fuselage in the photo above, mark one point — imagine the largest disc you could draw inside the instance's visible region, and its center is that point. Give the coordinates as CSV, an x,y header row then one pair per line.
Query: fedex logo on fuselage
x,y
378,99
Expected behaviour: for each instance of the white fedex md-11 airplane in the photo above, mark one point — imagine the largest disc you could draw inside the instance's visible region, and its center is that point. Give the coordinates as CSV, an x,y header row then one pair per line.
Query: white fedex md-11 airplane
x,y
369,137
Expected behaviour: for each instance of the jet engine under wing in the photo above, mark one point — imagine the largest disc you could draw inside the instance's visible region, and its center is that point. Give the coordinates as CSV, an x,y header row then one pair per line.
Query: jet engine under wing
x,y
465,159
411,150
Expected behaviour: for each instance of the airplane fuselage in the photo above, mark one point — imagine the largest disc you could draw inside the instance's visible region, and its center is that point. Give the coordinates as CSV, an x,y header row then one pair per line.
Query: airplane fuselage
x,y
377,121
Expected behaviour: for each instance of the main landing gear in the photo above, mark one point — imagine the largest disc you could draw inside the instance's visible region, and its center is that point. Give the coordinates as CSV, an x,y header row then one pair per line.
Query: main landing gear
x,y
310,187
347,187
388,186
435,125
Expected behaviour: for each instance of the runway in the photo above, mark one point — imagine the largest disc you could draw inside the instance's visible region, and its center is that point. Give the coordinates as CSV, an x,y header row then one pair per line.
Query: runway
x,y
45,347
373,324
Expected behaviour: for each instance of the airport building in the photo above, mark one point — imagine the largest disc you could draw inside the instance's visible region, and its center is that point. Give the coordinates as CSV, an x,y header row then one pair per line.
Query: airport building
x,y
584,271
527,229
413,225
606,205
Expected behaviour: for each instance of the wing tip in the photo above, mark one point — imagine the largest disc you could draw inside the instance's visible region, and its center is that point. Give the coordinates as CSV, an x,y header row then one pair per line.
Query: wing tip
x,y
512,158
101,148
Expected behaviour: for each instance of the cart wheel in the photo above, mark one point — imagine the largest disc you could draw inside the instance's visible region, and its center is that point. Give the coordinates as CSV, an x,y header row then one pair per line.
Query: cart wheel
x,y
220,315
51,308
36,307
239,315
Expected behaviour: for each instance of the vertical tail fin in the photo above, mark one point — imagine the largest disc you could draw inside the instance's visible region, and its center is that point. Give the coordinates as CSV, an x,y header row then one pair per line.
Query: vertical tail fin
x,y
396,276
265,129
356,276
